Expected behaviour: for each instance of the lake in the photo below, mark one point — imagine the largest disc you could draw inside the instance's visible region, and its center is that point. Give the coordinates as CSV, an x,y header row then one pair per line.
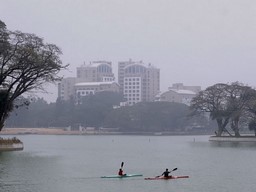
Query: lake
x,y
75,164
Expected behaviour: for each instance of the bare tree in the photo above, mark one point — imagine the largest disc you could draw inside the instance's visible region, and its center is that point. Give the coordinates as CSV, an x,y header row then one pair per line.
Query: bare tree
x,y
26,63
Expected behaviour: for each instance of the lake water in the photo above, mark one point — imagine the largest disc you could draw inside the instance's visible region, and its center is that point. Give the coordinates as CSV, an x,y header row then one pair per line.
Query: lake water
x,y
75,164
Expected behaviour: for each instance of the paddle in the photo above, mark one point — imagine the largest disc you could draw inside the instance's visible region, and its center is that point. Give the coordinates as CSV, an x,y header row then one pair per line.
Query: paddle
x,y
170,171
122,164
174,169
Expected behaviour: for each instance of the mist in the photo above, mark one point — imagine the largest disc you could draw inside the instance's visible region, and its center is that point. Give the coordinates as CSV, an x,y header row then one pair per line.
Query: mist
x,y
199,42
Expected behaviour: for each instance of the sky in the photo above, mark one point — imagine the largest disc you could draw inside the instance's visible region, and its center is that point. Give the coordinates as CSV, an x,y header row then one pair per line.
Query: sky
x,y
194,42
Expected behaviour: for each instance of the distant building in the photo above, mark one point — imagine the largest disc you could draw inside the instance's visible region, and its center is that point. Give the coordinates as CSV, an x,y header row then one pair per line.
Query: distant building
x,y
89,80
180,86
96,71
121,72
138,82
90,88
66,88
180,94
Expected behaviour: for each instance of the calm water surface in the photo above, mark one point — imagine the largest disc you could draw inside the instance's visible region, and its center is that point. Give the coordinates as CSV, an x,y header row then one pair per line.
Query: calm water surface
x,y
75,164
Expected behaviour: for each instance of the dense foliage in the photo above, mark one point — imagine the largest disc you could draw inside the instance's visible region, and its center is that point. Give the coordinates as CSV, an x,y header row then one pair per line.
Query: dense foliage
x,y
97,111
150,116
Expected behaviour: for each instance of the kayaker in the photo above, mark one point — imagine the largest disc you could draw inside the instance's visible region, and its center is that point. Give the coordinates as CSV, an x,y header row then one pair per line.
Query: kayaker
x,y
121,172
166,173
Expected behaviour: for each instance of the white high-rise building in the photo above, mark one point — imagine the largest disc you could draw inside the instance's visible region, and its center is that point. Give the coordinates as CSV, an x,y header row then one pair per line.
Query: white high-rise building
x,y
138,82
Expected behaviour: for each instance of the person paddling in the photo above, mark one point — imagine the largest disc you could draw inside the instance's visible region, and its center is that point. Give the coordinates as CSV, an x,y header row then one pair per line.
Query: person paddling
x,y
121,172
166,173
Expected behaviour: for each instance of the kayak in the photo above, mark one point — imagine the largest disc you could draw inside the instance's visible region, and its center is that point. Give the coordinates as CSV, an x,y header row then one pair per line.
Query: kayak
x,y
123,176
166,178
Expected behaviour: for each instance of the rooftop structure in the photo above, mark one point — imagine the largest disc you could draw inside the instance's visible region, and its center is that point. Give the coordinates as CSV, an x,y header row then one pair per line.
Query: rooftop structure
x,y
96,71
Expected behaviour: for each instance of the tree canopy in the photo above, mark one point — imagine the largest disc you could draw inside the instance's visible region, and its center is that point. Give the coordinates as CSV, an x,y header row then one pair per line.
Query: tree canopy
x,y
97,111
226,103
26,63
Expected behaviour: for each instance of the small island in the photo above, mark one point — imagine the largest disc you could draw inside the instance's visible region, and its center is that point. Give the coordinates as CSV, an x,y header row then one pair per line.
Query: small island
x,y
232,106
233,139
10,144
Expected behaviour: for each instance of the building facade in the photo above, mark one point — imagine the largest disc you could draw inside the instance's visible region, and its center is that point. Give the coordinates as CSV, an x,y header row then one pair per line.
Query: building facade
x,y
66,88
180,86
90,88
96,71
180,94
94,74
138,82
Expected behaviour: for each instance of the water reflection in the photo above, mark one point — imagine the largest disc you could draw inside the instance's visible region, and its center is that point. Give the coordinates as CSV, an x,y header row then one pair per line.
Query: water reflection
x,y
21,170
233,144
75,163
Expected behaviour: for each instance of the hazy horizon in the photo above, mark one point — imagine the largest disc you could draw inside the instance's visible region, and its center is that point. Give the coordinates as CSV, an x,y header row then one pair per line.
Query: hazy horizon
x,y
199,42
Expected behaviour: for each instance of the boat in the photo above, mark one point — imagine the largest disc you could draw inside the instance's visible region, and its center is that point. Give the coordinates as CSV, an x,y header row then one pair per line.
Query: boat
x,y
123,176
166,178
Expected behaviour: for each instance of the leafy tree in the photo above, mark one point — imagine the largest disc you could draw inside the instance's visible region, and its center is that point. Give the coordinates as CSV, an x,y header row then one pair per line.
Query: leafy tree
x,y
213,100
3,37
94,108
38,114
251,114
107,98
239,96
225,103
142,117
63,113
252,126
149,117
26,63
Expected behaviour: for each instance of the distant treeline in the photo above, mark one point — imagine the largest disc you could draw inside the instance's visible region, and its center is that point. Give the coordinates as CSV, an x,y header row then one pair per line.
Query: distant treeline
x,y
98,111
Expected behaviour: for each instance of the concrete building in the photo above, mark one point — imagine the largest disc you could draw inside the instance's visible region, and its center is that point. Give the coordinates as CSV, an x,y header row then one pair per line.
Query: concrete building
x,y
90,88
121,66
180,94
96,73
180,86
66,88
138,82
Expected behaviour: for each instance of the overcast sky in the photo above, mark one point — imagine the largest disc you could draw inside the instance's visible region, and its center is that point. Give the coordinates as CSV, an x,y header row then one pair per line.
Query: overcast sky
x,y
195,42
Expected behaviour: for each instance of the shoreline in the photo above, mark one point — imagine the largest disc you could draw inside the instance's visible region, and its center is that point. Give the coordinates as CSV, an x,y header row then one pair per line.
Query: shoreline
x,y
63,131
37,131
10,144
243,138
11,147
